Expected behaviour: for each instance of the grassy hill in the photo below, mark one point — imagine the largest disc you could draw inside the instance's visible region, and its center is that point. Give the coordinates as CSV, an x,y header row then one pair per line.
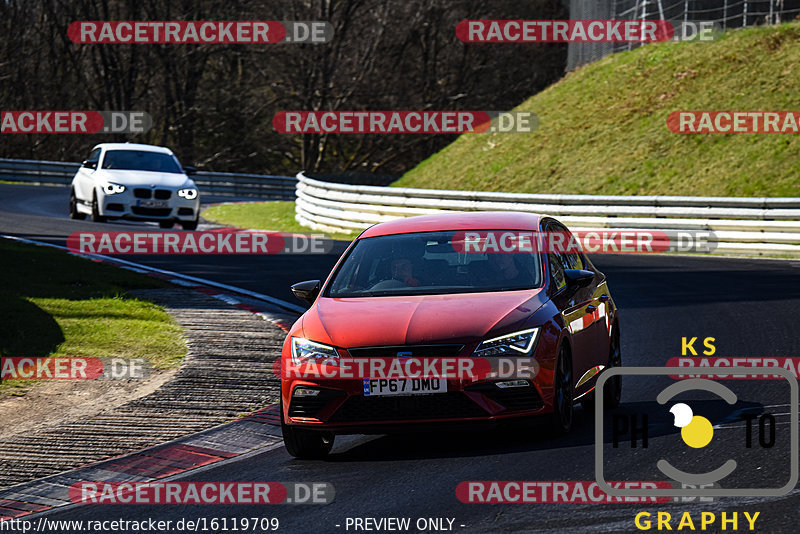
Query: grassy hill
x,y
602,129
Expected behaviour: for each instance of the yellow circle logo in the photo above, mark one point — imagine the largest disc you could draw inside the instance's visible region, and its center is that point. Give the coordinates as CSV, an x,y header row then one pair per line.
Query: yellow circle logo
x,y
696,430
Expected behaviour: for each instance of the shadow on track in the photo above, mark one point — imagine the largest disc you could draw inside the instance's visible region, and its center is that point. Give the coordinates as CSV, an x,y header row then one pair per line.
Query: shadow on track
x,y
527,435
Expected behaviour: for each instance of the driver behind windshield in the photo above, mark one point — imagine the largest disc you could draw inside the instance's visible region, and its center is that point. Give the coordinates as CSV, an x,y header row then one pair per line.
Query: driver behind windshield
x,y
403,270
505,270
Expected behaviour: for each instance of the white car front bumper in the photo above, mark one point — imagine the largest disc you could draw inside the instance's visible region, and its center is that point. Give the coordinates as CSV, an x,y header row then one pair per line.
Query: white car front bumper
x,y
148,204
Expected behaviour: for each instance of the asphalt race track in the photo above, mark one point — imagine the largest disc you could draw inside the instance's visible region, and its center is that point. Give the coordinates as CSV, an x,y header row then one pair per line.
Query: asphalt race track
x,y
750,307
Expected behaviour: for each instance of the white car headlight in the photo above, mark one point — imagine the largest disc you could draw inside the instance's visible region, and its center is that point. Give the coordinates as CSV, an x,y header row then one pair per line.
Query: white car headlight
x,y
188,194
515,343
113,189
305,351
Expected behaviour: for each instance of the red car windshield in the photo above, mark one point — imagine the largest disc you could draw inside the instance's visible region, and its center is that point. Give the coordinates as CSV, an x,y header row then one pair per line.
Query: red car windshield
x,y
429,263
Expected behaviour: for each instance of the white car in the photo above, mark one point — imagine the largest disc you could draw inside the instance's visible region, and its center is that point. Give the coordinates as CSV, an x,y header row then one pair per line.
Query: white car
x,y
137,182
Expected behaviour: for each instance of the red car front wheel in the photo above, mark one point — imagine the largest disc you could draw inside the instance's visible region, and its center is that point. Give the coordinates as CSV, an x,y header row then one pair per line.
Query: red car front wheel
x,y
306,444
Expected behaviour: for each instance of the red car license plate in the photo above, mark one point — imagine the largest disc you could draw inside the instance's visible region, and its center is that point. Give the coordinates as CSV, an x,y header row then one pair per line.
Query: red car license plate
x,y
374,387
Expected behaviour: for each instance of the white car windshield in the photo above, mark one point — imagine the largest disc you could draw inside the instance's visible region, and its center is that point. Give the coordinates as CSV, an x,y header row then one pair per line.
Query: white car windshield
x,y
140,160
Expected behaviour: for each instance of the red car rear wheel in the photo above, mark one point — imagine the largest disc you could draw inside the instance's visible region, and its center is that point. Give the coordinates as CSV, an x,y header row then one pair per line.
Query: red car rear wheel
x,y
563,392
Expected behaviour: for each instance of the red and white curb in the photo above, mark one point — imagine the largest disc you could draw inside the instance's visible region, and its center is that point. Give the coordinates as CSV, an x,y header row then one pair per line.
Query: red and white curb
x,y
257,432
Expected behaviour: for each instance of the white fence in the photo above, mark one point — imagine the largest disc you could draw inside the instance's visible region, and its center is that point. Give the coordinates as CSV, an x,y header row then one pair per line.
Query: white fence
x,y
742,226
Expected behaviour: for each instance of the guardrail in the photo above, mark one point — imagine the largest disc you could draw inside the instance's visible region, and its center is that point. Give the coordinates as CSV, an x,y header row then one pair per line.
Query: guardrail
x,y
741,225
36,172
247,185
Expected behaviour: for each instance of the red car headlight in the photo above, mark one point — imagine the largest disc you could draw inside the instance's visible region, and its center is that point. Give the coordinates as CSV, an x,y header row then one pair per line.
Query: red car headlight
x,y
306,351
513,344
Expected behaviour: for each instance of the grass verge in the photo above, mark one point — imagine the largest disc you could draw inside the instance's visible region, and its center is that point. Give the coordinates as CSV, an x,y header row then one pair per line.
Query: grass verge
x,y
54,304
603,130
277,216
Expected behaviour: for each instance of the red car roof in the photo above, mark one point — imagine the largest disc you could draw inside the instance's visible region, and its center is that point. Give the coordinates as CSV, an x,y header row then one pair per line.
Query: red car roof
x,y
458,220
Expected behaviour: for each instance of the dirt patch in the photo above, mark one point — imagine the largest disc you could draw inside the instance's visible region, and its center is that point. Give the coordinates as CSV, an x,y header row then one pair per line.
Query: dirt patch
x,y
228,371
50,403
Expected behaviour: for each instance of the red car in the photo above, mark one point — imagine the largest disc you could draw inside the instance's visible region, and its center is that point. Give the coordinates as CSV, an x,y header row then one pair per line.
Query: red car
x,y
463,287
